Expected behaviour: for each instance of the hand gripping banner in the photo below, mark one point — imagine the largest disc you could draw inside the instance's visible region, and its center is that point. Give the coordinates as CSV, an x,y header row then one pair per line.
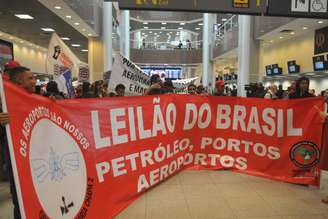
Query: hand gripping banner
x,y
91,158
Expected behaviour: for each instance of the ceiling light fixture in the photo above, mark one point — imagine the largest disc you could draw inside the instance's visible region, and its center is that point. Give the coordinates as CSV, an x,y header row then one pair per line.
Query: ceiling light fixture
x,y
182,23
57,7
21,41
68,16
180,28
84,50
305,28
145,27
83,29
145,23
164,23
65,38
281,37
224,19
163,28
24,16
90,34
292,33
197,28
11,38
47,29
75,45
320,22
77,23
200,24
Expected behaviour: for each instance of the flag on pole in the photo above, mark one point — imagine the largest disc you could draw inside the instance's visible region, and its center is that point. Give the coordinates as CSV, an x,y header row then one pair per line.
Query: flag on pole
x,y
62,63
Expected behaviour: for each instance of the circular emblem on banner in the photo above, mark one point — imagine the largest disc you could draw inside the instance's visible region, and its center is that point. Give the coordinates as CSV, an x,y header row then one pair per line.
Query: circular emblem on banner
x,y
305,154
320,40
58,170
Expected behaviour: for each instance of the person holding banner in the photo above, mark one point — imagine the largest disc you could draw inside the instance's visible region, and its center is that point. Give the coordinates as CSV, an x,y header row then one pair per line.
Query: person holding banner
x,y
53,91
99,90
4,153
24,78
120,90
219,85
192,89
324,161
86,92
168,87
155,85
302,89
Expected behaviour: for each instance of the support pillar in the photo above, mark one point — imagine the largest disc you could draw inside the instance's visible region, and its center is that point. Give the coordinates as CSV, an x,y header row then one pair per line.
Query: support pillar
x,y
248,54
125,34
208,77
108,35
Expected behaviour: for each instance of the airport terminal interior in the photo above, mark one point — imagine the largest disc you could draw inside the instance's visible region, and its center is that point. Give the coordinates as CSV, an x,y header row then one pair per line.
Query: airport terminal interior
x,y
236,48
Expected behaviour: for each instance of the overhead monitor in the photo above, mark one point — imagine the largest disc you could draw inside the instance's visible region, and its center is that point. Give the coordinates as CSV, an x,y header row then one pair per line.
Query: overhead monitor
x,y
319,63
276,70
268,70
293,67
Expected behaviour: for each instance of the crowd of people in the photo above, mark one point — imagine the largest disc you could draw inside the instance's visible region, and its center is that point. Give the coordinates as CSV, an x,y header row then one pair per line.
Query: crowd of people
x,y
298,89
23,77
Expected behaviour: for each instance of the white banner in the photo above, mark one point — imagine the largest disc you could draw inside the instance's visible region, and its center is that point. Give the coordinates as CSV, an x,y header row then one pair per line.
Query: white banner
x,y
62,63
184,82
130,75
60,57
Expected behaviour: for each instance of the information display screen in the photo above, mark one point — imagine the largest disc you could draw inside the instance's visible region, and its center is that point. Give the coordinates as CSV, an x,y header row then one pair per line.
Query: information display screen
x,y
292,69
276,71
319,66
172,73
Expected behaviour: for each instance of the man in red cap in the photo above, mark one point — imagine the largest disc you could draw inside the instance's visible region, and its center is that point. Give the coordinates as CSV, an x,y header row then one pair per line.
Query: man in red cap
x,y
4,120
9,66
24,78
219,85
12,64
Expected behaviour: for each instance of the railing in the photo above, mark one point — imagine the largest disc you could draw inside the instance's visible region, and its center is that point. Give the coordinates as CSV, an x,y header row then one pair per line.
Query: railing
x,y
228,26
173,45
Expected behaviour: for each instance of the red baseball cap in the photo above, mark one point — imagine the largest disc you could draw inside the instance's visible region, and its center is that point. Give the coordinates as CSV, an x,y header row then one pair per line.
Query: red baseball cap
x,y
12,64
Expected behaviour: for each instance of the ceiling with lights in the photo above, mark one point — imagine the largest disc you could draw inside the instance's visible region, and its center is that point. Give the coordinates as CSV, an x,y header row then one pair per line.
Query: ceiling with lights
x,y
170,26
296,27
35,24
89,10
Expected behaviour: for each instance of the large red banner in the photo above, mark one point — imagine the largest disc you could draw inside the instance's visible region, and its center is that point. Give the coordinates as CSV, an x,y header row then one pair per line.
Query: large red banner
x,y
91,158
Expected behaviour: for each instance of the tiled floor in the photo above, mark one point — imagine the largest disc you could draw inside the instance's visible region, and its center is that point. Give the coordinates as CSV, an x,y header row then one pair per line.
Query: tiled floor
x,y
218,194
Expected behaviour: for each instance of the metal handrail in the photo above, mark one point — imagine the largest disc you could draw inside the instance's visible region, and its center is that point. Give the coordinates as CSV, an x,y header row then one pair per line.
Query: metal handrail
x,y
164,45
229,25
